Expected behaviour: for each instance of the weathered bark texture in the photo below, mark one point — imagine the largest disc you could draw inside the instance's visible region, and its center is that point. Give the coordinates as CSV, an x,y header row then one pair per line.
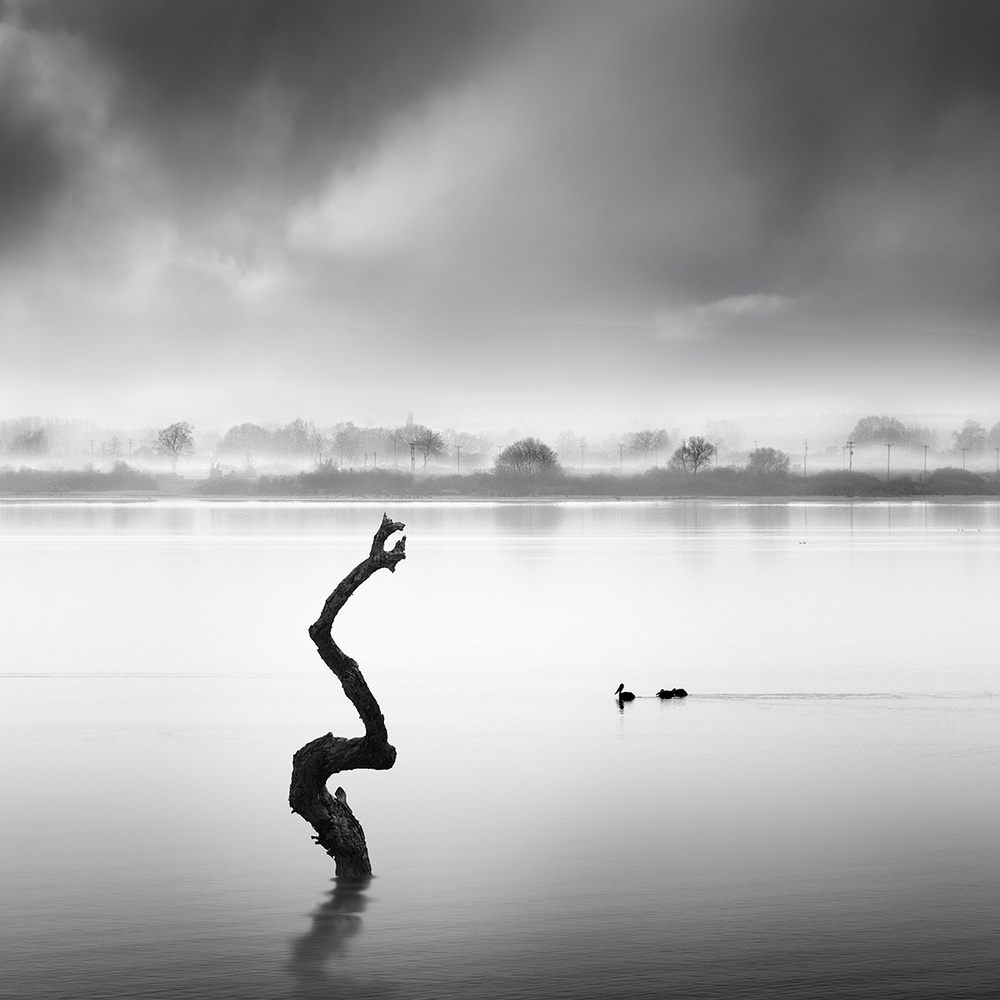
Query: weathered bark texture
x,y
337,830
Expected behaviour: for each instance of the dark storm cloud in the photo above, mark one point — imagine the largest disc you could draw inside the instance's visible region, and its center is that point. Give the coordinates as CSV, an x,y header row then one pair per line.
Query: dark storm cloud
x,y
31,168
831,91
838,99
699,149
251,103
33,161
713,149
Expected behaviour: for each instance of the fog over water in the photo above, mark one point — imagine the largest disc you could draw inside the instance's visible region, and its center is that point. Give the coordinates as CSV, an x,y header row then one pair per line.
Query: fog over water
x,y
816,819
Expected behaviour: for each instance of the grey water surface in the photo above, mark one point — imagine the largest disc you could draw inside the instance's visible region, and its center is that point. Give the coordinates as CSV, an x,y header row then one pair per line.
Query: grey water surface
x,y
819,818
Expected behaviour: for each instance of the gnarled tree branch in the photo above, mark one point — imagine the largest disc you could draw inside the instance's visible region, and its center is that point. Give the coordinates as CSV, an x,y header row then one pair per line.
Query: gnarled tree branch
x,y
337,830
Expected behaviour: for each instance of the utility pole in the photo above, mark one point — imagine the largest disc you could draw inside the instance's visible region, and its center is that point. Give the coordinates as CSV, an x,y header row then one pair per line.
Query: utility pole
x,y
963,451
850,456
997,450
805,458
888,453
926,446
458,450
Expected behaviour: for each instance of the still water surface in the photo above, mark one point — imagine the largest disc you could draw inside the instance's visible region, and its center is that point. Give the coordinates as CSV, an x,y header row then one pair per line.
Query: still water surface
x,y
819,818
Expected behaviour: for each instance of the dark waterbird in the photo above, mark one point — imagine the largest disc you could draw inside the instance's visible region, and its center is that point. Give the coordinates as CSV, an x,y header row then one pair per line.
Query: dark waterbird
x,y
622,695
663,693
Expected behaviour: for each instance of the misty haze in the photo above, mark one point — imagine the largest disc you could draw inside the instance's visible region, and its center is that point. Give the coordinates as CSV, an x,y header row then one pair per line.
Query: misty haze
x,y
667,332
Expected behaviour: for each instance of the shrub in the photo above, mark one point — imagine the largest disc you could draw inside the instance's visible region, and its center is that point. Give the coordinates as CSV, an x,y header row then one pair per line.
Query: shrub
x,y
955,482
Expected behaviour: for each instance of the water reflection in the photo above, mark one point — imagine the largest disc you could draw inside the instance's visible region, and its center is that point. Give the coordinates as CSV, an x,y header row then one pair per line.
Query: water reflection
x,y
318,956
766,517
529,518
333,923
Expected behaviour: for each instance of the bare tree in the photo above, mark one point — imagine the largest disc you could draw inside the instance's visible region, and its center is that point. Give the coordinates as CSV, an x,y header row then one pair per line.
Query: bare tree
x,y
768,462
175,441
694,453
428,443
727,435
882,430
112,448
347,442
570,447
399,439
31,442
643,442
972,436
243,438
298,439
338,831
474,448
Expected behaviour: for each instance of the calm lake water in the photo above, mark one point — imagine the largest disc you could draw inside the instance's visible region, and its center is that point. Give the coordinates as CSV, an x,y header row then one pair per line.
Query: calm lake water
x,y
819,818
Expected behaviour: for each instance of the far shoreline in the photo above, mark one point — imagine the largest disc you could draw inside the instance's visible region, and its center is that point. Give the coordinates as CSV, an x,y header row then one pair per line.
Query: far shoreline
x,y
123,483
123,496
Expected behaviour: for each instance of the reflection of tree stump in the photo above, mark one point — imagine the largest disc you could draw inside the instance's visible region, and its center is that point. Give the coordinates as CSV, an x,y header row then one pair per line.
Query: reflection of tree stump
x,y
337,830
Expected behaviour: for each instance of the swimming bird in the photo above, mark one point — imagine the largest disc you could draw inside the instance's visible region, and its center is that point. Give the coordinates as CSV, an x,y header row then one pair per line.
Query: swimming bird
x,y
663,693
622,695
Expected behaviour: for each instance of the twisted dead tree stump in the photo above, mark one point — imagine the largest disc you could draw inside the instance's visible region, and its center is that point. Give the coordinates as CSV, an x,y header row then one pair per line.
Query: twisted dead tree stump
x,y
338,831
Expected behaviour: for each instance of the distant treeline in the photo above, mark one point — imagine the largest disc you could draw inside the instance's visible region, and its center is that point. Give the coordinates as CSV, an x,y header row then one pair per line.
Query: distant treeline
x,y
330,481
283,448
727,481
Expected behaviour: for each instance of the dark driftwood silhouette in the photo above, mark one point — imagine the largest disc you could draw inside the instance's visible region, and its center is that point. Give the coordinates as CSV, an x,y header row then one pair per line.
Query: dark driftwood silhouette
x,y
337,830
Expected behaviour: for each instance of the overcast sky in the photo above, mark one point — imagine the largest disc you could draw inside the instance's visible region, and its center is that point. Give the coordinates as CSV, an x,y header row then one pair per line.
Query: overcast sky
x,y
498,212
